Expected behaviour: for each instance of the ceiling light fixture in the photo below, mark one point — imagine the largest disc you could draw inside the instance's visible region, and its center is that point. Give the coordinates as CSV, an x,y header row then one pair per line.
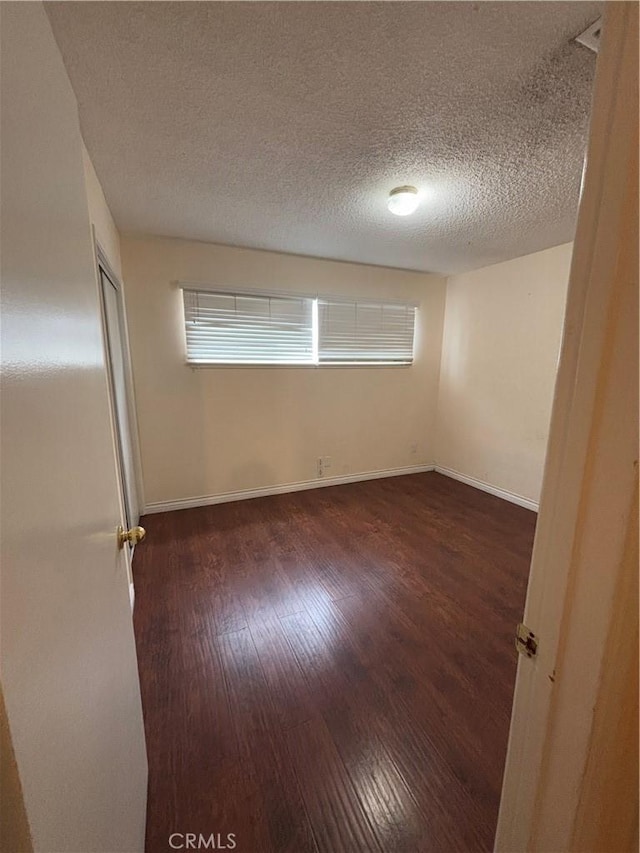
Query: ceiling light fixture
x,y
403,200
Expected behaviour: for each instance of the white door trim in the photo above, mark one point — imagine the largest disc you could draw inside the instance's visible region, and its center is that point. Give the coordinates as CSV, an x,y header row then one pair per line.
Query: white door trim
x,y
102,260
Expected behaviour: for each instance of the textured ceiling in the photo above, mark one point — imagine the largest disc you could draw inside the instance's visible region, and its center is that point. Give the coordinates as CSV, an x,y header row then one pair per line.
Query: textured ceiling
x,y
284,125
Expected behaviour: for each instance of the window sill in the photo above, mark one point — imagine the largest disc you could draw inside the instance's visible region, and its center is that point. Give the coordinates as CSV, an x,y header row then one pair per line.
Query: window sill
x,y
304,366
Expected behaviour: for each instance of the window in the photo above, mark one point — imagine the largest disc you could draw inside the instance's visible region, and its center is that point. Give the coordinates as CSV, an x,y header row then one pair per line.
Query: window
x,y
228,328
365,333
239,328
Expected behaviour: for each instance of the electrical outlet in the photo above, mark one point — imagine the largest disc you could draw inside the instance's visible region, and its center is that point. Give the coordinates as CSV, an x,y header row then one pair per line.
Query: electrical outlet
x,y
413,448
324,463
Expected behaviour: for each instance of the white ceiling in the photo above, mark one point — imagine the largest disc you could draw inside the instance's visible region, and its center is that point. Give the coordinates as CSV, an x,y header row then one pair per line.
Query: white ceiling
x,y
284,125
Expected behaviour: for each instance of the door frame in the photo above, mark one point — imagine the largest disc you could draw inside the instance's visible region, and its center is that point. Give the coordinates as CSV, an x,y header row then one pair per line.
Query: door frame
x,y
583,525
101,260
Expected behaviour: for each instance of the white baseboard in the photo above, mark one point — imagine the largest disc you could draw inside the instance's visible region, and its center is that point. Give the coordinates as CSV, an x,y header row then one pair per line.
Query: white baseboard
x,y
246,494
486,487
285,488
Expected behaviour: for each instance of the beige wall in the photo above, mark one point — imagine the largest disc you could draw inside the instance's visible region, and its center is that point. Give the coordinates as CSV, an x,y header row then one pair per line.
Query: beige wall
x,y
501,341
208,431
105,228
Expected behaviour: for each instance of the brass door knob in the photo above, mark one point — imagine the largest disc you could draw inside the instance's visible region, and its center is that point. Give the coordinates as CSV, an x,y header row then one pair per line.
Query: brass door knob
x,y
136,534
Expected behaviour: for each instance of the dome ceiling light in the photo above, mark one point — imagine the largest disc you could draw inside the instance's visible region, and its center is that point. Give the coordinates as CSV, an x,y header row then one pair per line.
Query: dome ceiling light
x,y
403,200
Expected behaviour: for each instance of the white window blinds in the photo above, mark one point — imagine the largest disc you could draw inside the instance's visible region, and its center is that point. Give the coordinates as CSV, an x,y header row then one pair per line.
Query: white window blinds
x,y
246,328
365,333
227,328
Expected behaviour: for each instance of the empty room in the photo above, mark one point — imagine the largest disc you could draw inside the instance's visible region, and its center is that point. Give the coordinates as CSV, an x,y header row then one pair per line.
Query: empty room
x,y
319,427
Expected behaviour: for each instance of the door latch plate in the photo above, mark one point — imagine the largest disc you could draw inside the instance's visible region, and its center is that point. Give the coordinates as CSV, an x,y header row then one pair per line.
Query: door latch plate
x,y
526,641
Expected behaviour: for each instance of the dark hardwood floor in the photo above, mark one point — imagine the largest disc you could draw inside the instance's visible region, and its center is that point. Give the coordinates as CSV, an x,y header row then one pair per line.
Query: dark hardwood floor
x,y
331,670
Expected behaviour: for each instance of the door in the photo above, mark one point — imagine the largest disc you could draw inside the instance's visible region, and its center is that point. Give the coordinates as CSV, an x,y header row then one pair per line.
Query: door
x,y
69,670
554,796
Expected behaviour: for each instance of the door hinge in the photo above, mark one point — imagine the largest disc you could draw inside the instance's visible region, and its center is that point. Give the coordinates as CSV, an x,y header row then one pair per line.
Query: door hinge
x,y
526,641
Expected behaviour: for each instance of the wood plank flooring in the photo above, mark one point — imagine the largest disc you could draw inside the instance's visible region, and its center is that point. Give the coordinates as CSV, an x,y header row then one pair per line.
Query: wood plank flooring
x,y
331,670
